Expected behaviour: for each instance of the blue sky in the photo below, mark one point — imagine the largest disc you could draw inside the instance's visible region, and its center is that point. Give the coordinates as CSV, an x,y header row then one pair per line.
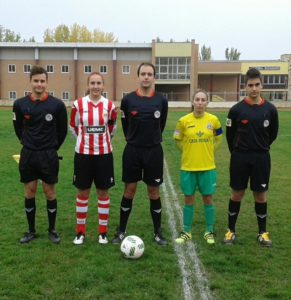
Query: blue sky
x,y
259,29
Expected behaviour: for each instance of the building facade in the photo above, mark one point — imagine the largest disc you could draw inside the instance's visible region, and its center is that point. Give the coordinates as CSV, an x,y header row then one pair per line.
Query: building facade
x,y
179,72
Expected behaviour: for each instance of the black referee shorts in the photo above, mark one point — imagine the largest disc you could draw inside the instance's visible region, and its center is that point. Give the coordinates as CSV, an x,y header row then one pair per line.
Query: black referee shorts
x,y
97,168
143,164
253,166
42,165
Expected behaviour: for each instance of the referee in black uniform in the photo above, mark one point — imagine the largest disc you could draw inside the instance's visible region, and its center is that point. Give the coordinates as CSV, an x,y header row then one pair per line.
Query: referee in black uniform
x,y
251,127
143,117
40,123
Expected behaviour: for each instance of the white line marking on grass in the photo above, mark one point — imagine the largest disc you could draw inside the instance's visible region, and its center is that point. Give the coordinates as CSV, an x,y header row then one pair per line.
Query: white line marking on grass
x,y
194,267
186,275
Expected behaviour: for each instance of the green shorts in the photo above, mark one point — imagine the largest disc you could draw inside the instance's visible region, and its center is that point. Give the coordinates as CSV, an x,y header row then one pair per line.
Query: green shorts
x,y
205,181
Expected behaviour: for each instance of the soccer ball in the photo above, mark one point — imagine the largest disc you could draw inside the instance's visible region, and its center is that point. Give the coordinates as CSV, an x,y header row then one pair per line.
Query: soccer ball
x,y
132,247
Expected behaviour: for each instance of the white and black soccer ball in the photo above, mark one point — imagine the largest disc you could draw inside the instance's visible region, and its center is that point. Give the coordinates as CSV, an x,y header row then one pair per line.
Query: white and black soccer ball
x,y
132,247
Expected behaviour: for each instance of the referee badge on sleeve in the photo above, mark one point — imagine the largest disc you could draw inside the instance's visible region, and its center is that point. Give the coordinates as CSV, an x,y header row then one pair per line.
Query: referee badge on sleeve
x,y
228,122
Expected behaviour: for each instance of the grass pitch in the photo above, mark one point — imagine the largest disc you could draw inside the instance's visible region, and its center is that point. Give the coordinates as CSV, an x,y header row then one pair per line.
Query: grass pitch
x,y
41,270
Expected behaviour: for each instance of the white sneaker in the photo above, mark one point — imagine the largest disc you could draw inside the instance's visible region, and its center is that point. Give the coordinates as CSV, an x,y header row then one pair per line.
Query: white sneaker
x,y
79,239
103,238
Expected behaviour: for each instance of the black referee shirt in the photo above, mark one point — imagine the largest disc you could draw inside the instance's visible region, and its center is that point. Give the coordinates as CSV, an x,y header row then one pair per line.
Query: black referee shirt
x,y
40,124
251,127
143,118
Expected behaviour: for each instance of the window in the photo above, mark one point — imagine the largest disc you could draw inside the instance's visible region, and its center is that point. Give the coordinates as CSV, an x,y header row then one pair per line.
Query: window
x,y
164,69
283,79
12,95
52,93
26,93
173,68
87,69
50,68
126,69
274,80
26,68
11,68
65,95
65,69
103,69
104,94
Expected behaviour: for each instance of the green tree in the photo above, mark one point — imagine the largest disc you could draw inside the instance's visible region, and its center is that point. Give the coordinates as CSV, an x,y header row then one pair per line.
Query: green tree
x,y
7,35
32,39
205,53
77,33
48,36
62,33
103,37
232,54
85,35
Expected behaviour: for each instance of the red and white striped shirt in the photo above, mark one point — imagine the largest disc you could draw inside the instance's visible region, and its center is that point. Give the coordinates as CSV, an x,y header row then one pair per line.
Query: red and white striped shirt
x,y
94,125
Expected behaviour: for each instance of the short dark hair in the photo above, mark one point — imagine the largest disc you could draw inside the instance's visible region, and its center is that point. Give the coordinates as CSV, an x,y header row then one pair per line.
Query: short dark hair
x,y
146,64
253,73
36,70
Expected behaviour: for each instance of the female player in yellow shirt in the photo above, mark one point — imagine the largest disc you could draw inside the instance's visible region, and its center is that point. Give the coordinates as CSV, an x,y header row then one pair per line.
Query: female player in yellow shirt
x,y
198,135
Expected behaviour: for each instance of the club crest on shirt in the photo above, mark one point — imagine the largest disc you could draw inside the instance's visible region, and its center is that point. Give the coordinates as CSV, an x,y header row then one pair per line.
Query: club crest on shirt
x,y
209,126
122,114
48,117
266,123
157,114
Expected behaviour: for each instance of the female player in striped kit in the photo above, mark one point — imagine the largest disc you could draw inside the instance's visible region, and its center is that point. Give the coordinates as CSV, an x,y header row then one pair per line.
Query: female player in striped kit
x,y
93,122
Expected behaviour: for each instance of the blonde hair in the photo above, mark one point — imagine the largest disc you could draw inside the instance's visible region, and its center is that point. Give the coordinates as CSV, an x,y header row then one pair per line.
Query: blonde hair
x,y
95,73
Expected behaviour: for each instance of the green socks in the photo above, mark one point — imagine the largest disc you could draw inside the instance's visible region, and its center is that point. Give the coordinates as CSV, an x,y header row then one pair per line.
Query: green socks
x,y
188,213
209,217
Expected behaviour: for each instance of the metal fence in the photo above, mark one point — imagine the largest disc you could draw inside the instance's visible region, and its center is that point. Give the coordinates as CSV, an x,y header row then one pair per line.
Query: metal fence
x,y
230,96
274,96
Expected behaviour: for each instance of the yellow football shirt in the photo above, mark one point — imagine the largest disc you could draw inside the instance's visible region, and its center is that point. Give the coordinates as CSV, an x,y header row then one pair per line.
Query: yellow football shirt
x,y
197,137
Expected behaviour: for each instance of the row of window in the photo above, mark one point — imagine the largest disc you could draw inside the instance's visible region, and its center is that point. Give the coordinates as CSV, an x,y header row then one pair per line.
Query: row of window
x,y
270,79
65,95
13,95
103,69
269,95
166,68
